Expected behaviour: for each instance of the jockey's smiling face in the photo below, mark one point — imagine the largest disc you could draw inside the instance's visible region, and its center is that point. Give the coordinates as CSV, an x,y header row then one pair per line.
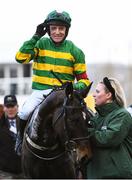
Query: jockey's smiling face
x,y
57,33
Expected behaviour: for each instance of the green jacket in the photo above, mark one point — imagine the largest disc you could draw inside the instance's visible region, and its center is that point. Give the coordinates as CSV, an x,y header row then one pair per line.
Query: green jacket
x,y
111,143
67,61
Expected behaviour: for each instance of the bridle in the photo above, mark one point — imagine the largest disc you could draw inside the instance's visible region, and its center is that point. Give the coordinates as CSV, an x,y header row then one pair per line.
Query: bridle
x,y
70,143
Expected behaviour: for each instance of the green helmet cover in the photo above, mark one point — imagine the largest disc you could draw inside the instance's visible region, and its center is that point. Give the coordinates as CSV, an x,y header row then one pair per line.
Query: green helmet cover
x,y
63,17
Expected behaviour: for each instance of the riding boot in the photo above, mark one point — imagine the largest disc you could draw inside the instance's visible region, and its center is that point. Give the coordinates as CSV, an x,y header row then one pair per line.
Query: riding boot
x,y
20,134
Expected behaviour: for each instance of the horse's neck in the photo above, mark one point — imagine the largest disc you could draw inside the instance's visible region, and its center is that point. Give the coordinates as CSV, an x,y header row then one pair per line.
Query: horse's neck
x,y
51,102
41,120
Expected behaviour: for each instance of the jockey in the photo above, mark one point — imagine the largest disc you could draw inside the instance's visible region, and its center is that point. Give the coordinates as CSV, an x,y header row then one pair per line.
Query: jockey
x,y
54,54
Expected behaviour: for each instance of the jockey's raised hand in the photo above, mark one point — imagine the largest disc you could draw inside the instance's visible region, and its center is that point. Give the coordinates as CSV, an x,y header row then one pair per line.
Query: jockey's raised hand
x,y
41,29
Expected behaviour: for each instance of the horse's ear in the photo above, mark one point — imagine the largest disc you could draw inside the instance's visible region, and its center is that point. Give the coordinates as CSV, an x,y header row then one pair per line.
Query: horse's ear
x,y
85,91
69,88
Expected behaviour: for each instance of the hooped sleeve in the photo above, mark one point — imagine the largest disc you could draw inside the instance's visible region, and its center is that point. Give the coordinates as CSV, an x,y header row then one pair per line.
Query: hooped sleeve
x,y
27,51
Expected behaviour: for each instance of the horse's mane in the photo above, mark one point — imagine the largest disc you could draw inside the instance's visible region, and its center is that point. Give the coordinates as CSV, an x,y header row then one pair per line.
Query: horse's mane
x,y
54,99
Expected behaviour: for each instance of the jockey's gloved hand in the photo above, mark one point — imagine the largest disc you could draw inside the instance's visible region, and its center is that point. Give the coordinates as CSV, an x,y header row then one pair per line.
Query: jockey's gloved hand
x,y
41,29
18,145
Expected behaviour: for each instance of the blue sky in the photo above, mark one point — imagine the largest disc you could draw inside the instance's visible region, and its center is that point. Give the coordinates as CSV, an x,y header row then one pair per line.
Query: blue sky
x,y
101,28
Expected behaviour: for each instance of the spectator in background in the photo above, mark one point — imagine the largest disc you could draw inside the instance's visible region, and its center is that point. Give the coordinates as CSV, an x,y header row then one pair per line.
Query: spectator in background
x,y
9,160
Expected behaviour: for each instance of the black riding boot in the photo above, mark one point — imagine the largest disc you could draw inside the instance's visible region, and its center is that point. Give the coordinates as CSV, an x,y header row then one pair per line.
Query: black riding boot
x,y
20,134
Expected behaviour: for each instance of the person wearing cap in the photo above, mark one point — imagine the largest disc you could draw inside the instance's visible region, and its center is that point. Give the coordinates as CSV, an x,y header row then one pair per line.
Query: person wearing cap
x,y
11,110
55,61
9,160
112,133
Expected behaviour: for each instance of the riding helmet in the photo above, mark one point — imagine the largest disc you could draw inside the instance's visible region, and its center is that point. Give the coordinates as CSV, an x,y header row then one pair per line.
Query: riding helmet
x,y
63,18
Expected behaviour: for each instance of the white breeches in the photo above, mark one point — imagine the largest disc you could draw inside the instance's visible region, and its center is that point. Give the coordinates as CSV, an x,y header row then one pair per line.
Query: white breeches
x,y
33,101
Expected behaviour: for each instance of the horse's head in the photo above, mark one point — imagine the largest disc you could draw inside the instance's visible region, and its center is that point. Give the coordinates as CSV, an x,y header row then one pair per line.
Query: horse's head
x,y
61,117
71,124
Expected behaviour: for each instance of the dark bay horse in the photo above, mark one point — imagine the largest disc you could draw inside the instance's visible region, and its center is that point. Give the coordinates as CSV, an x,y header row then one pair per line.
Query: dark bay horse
x,y
56,129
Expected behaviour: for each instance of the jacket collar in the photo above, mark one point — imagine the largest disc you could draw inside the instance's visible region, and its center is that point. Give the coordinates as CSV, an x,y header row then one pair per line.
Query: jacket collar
x,y
57,46
105,109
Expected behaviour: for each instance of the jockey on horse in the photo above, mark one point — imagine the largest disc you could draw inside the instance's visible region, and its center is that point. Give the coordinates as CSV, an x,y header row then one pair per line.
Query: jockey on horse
x,y
54,54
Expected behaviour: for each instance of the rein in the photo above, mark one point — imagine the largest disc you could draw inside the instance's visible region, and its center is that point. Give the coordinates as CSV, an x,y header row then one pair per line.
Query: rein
x,y
42,148
44,158
64,111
